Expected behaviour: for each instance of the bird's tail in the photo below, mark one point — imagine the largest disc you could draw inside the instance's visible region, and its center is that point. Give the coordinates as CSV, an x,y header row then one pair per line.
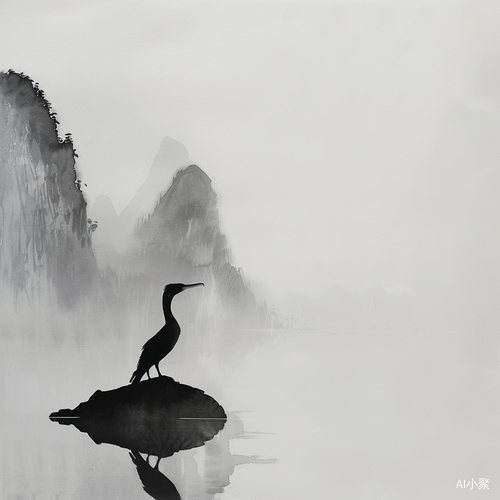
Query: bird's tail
x,y
135,378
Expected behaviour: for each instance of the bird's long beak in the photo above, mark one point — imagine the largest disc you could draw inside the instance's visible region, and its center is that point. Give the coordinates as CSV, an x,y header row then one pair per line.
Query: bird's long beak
x,y
185,287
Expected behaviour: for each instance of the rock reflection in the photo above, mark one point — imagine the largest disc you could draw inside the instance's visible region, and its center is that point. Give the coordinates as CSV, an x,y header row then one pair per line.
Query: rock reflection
x,y
156,417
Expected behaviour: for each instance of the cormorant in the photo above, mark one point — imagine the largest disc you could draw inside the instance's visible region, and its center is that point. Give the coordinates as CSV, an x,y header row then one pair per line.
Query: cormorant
x,y
157,347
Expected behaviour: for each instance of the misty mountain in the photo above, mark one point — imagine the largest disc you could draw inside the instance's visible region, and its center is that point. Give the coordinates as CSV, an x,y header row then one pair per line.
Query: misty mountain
x,y
171,157
47,251
182,240
113,239
175,239
45,248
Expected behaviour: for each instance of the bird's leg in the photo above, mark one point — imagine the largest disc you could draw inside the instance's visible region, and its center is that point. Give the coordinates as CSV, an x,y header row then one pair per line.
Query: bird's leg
x,y
158,370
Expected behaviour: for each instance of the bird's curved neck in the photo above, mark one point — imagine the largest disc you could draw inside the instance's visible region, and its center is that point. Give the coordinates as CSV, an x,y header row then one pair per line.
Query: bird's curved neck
x,y
167,308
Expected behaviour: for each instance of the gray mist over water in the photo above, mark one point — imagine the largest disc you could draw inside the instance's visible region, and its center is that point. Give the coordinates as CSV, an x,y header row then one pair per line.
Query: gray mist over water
x,y
379,410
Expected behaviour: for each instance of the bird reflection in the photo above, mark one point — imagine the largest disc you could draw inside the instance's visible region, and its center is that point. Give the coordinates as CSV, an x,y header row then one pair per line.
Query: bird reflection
x,y
158,346
153,481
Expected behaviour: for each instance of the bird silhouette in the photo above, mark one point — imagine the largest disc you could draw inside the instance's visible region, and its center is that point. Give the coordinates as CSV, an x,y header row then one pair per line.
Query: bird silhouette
x,y
158,346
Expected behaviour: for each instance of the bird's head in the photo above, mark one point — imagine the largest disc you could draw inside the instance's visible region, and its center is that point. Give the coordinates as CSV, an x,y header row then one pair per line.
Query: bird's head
x,y
175,288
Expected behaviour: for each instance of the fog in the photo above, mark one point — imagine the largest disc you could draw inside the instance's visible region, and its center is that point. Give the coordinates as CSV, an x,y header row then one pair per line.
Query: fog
x,y
351,144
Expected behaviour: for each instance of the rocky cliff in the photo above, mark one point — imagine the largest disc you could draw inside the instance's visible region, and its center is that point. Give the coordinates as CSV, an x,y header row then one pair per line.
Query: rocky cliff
x,y
45,247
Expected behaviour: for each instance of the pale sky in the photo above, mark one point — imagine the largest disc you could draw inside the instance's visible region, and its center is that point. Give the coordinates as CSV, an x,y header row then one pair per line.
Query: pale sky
x,y
350,143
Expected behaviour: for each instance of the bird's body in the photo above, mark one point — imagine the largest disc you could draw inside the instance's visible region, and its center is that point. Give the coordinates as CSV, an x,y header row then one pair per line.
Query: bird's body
x,y
158,346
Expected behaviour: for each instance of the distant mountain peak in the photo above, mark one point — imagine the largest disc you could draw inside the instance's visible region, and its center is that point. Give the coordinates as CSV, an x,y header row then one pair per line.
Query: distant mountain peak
x,y
196,171
171,156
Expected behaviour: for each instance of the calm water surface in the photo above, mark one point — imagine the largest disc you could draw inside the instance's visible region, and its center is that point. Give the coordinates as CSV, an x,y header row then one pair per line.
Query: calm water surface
x,y
316,415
